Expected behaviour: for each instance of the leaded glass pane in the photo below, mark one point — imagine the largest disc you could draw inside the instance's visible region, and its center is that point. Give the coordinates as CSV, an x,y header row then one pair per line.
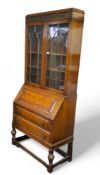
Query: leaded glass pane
x,y
35,34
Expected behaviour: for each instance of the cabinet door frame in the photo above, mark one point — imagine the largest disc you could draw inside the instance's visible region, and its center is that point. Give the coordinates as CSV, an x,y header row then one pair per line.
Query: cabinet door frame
x,y
47,23
26,51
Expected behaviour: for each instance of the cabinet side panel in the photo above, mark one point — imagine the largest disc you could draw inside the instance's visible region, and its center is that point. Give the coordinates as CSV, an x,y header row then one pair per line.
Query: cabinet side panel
x,y
74,50
64,122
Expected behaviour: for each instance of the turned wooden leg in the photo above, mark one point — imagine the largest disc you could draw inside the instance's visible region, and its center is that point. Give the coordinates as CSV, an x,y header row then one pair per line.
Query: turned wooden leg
x,y
69,153
50,158
13,132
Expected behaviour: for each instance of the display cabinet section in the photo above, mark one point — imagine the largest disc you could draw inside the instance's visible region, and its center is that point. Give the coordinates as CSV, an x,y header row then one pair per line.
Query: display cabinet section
x,y
35,35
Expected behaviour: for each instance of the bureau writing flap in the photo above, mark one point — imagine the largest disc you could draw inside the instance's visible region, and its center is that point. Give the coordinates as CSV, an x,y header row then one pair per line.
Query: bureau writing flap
x,y
42,102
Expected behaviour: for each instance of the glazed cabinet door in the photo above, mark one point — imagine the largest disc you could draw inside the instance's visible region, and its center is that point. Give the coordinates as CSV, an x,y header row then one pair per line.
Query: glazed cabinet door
x,y
57,35
34,49
47,54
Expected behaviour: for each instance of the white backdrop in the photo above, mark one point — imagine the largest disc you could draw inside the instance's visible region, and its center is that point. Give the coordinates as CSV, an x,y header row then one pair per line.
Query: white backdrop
x,y
86,152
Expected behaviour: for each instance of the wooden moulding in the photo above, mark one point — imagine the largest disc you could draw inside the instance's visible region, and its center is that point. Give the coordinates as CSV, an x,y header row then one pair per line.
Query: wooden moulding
x,y
70,13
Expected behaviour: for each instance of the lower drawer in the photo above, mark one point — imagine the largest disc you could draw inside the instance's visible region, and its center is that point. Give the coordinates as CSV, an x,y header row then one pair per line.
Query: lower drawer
x,y
33,118
31,129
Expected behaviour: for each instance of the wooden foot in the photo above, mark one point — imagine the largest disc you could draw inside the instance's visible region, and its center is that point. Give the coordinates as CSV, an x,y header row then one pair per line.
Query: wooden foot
x,y
50,158
13,132
69,153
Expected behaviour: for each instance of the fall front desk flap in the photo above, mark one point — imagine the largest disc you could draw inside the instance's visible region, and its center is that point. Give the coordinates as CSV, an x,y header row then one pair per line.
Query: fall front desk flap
x,y
40,101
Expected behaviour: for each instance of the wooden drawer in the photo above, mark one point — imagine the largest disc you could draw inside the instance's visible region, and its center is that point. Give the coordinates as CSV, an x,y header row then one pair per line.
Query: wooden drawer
x,y
31,129
33,118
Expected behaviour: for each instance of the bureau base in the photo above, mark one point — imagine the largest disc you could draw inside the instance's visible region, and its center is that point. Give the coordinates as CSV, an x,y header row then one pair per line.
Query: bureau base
x,y
66,156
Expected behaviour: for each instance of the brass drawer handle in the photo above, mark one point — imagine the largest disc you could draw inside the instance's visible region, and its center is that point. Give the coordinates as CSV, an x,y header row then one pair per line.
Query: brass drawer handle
x,y
43,124
44,136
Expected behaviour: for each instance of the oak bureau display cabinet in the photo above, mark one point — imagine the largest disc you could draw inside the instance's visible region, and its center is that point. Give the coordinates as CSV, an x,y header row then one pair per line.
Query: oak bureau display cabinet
x,y
44,108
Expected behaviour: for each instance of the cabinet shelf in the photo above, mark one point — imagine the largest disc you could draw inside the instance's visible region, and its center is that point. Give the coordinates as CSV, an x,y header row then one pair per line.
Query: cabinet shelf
x,y
33,66
56,70
34,74
54,79
56,54
34,52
